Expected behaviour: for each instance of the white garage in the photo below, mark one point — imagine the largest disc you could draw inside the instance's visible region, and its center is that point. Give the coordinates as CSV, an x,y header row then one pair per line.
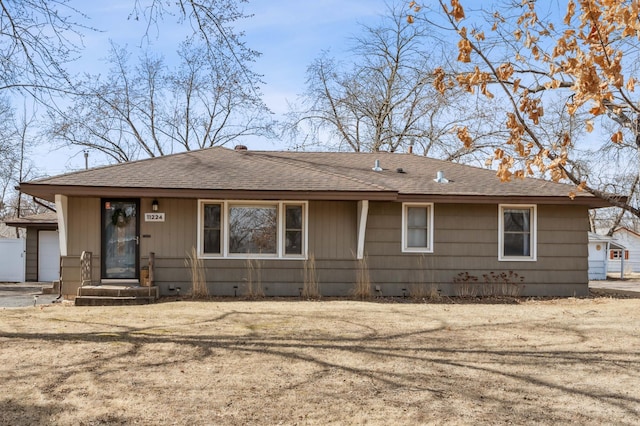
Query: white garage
x,y
12,260
42,251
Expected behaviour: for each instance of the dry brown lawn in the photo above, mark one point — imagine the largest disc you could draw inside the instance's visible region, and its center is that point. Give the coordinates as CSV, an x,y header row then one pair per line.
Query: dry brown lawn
x,y
569,361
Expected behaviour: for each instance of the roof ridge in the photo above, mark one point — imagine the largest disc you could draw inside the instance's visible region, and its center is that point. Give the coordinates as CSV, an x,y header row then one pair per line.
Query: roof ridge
x,y
140,160
308,166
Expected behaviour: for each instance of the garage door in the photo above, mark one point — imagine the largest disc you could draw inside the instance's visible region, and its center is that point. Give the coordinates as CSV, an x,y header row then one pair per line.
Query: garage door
x,y
12,258
48,256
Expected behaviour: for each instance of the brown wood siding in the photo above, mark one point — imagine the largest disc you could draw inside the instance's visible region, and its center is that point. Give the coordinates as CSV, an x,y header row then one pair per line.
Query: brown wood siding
x,y
31,260
174,237
332,241
333,229
83,223
465,240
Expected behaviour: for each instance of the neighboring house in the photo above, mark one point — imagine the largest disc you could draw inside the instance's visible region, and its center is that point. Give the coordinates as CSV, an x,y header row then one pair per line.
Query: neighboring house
x,y
600,249
42,250
265,216
628,259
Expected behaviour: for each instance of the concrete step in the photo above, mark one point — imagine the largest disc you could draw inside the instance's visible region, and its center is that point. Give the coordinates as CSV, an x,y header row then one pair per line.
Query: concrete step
x,y
54,289
118,291
112,301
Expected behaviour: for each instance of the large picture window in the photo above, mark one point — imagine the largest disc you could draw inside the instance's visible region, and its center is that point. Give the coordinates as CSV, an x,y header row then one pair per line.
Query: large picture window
x,y
517,232
252,229
417,228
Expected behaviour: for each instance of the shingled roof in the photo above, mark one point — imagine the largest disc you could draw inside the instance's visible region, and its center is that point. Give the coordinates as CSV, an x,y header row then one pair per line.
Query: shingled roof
x,y
46,219
225,173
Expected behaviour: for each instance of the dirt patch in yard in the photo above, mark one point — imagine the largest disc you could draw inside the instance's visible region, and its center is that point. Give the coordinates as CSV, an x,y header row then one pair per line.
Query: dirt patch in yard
x,y
568,361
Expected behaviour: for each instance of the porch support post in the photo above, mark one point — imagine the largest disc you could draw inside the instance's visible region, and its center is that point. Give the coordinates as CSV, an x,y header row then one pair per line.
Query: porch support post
x,y
363,213
62,209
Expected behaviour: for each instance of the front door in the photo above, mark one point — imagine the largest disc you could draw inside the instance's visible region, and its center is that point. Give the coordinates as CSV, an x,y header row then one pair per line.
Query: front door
x,y
120,239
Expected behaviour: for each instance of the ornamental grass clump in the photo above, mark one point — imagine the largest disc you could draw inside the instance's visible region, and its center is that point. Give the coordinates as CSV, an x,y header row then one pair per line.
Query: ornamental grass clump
x,y
196,268
362,288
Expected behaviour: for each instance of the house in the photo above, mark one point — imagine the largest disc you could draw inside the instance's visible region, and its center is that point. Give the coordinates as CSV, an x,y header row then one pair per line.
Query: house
x,y
42,251
267,217
600,249
626,259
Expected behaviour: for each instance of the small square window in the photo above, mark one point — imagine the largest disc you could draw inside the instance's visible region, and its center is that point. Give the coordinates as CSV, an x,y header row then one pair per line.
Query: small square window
x,y
417,228
517,233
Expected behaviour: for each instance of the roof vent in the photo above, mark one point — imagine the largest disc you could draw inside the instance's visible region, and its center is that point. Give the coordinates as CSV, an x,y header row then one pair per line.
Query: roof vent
x,y
240,148
376,166
440,177
400,170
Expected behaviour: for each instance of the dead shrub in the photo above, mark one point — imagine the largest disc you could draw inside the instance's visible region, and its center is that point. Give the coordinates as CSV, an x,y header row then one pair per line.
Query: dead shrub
x,y
253,279
420,289
310,287
503,284
195,265
465,285
362,288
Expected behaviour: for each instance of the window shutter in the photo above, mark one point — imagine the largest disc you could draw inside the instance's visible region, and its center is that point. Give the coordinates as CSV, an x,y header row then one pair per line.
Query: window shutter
x,y
626,255
610,254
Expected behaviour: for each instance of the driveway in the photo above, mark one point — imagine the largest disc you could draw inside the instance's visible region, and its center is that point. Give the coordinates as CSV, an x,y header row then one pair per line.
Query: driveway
x,y
18,295
629,287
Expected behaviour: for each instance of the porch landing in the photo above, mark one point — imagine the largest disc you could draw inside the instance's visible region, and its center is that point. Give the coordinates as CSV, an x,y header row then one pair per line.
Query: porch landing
x,y
116,295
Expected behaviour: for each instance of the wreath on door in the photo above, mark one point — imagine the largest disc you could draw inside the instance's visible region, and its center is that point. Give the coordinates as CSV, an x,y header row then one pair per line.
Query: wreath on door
x,y
120,218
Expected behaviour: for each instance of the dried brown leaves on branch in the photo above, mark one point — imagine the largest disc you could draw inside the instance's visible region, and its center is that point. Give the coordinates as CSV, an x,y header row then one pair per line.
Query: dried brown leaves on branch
x,y
529,50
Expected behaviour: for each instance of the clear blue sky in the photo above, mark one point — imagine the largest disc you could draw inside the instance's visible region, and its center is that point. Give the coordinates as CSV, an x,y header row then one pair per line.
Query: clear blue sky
x,y
288,33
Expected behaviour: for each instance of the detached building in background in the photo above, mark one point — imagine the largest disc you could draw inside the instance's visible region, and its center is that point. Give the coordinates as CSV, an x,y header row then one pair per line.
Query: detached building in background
x,y
42,248
626,258
268,216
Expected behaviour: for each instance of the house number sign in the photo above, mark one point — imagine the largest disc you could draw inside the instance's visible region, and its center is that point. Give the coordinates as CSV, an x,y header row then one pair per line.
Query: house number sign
x,y
154,217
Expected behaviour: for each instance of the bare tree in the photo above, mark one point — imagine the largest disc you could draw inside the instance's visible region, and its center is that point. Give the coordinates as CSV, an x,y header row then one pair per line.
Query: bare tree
x,y
16,139
40,37
385,100
150,110
567,81
37,39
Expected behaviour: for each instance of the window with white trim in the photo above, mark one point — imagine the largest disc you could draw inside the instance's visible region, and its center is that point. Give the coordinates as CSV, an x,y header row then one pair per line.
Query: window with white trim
x,y
517,232
252,229
417,227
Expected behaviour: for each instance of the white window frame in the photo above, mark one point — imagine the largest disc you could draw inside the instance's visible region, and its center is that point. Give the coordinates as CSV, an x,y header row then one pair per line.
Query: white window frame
x,y
533,233
224,225
405,229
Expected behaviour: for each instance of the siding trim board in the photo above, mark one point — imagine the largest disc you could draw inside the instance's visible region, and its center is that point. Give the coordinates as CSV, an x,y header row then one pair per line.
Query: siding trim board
x,y
363,213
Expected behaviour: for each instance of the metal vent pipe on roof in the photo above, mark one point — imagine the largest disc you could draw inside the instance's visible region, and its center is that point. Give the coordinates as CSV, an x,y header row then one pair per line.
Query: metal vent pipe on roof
x,y
440,177
376,166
